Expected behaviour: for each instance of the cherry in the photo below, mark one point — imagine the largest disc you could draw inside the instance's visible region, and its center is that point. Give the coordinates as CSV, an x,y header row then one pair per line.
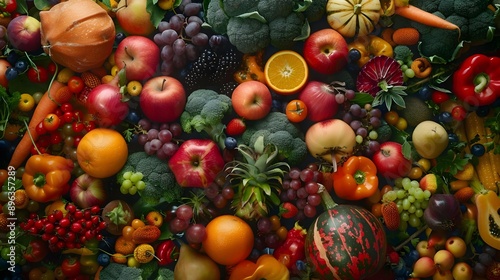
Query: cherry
x,y
95,209
65,222
76,227
71,208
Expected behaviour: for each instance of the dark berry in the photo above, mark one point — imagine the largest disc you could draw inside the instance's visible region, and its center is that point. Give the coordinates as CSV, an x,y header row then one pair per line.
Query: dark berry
x,y
11,73
445,117
425,93
21,66
119,37
482,111
477,150
230,143
12,57
452,137
354,55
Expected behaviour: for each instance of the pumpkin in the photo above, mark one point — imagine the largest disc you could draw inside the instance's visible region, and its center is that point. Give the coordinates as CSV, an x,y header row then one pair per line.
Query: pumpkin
x,y
353,17
345,242
77,34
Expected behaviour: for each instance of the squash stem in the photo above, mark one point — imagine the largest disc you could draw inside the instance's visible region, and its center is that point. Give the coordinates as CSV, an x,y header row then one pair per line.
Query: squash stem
x,y
410,238
326,198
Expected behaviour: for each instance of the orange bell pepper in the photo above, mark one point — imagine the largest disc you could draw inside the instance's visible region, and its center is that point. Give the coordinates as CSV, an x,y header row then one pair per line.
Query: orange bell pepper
x,y
252,68
267,267
356,178
46,177
370,46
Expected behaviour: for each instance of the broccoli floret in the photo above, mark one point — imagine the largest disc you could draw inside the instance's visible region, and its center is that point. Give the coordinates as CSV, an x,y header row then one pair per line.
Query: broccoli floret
x,y
480,25
272,9
470,8
248,35
283,30
204,111
462,23
444,47
316,10
161,185
446,7
430,6
216,17
403,53
277,129
238,7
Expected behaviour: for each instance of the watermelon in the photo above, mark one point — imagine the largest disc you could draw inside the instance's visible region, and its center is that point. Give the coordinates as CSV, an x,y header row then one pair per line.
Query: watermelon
x,y
345,242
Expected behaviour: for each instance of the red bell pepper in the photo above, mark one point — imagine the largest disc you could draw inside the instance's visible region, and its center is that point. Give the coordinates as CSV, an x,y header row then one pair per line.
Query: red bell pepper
x,y
293,249
477,81
167,252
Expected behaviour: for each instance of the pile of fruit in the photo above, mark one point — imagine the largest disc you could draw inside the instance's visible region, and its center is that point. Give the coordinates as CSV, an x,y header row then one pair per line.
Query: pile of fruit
x,y
241,139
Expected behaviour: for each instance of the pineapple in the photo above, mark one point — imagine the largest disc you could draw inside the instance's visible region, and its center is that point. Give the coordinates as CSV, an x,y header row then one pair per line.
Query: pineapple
x,y
257,179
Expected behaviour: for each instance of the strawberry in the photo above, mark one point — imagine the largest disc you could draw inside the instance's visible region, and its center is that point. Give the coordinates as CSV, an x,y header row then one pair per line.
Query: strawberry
x,y
235,127
464,195
391,216
90,79
288,210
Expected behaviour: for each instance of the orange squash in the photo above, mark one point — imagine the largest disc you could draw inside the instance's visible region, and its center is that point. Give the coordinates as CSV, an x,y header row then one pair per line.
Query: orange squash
x,y
78,34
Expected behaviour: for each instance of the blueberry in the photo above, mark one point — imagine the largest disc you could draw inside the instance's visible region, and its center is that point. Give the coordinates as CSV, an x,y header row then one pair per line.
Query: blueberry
x,y
477,150
445,117
230,143
21,66
413,255
12,58
354,55
133,117
11,73
103,259
119,37
425,93
482,111
452,137
277,106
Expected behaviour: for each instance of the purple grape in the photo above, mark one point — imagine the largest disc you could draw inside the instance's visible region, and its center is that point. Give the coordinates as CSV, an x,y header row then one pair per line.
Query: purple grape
x,y
147,148
165,135
176,129
152,134
355,124
314,199
167,53
302,193
195,19
374,146
355,110
192,28
347,117
192,9
142,139
196,233
375,122
264,225
144,124
376,113
350,94
310,211
362,131
169,148
485,259
200,39
156,144
163,25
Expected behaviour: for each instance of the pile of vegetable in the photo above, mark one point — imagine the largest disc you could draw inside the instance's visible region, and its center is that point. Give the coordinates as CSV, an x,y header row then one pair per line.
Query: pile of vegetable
x,y
157,139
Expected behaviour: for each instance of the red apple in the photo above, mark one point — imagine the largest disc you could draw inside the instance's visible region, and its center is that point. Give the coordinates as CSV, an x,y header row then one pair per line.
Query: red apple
x,y
134,18
196,163
87,191
390,161
326,51
140,55
252,100
4,64
162,99
24,33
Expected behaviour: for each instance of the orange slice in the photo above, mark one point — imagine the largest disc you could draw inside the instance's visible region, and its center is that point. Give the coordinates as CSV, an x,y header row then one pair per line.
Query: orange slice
x,y
286,72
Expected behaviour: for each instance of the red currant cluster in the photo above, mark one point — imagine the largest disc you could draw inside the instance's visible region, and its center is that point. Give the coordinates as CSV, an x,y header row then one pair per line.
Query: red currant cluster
x,y
62,130
66,231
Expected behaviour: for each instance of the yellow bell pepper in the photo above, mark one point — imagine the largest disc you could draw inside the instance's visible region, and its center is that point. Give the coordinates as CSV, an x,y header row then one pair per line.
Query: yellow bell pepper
x,y
267,267
370,46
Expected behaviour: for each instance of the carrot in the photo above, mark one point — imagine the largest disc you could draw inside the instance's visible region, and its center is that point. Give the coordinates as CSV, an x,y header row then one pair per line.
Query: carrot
x,y
406,36
387,35
416,14
47,105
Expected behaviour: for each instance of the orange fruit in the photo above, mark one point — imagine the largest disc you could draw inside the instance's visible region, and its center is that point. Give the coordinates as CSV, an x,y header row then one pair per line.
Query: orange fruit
x,y
229,240
102,152
286,72
124,246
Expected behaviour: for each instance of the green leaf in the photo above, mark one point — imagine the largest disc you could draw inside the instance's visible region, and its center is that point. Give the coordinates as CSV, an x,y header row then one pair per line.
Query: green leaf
x,y
265,188
274,199
406,148
247,194
42,5
253,15
362,98
156,13
302,5
305,31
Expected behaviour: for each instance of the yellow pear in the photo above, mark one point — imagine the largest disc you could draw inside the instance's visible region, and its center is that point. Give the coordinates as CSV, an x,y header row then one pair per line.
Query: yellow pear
x,y
430,139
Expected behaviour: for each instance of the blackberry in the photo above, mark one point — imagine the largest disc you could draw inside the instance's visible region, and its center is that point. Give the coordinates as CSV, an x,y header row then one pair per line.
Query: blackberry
x,y
227,88
229,62
200,69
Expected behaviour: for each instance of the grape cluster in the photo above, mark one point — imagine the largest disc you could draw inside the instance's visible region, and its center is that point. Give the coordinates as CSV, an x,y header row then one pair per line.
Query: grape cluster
x,y
159,139
66,231
485,259
194,232
214,67
132,182
270,233
410,199
181,38
364,121
218,192
301,187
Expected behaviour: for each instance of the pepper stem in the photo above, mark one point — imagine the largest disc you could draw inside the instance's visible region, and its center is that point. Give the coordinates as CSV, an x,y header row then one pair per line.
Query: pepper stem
x,y
39,180
481,81
326,198
359,177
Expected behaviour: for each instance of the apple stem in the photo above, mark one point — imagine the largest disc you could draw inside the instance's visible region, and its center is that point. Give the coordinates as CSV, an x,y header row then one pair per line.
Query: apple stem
x,y
163,84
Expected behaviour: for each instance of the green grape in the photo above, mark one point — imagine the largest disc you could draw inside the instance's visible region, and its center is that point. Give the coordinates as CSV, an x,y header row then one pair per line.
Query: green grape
x,y
411,198
406,204
400,207
127,184
419,213
409,73
373,135
136,177
403,226
411,191
132,190
123,190
415,184
414,221
140,185
127,175
401,194
390,196
419,194
417,204
412,209
405,216
406,183
427,194
424,204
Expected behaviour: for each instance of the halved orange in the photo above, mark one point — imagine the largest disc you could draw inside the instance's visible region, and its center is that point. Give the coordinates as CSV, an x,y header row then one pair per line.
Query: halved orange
x,y
286,72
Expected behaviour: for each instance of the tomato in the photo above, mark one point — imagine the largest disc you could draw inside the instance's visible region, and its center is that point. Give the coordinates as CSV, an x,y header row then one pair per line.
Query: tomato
x,y
439,97
78,127
127,232
391,117
296,110
38,75
37,96
41,273
51,68
4,174
40,129
459,113
36,251
71,267
8,6
67,107
51,122
75,84
26,103
137,223
89,264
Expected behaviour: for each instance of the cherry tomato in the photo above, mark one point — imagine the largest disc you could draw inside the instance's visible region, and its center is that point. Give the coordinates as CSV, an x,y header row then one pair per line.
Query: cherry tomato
x,y
38,75
75,84
3,176
51,68
137,223
391,117
71,267
36,251
51,122
68,117
55,138
127,232
459,113
40,129
78,127
89,125
26,103
8,6
296,110
67,107
439,97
